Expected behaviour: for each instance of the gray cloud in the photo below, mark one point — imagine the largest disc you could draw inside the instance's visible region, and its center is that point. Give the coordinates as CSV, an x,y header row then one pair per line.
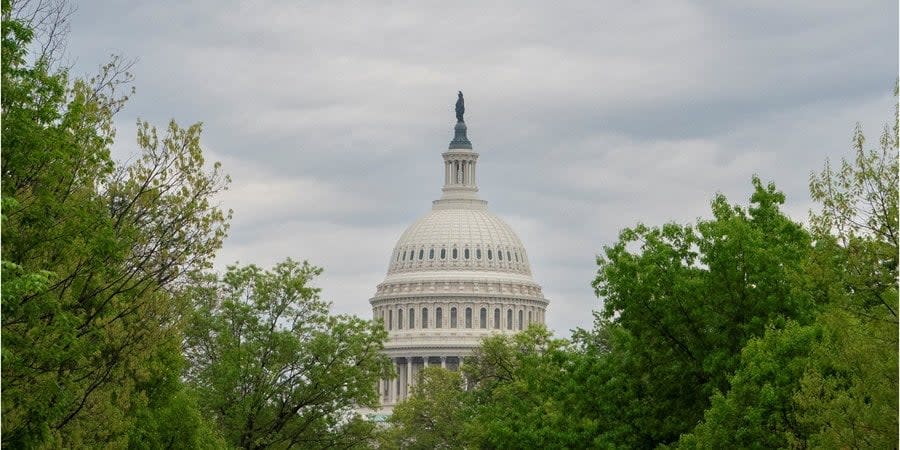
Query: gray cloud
x,y
589,116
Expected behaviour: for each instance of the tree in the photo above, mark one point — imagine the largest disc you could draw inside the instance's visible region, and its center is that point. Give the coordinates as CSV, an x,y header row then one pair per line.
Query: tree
x,y
850,395
682,301
758,411
93,253
435,416
273,368
832,383
519,386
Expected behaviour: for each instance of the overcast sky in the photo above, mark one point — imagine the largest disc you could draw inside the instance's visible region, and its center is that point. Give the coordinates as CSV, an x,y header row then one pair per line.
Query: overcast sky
x,y
589,116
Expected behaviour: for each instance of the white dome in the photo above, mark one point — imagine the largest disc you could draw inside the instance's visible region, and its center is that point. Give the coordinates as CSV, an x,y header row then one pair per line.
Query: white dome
x,y
467,238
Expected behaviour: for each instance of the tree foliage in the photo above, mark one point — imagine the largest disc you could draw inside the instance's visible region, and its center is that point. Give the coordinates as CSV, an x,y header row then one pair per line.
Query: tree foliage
x,y
688,298
93,253
832,383
274,368
433,417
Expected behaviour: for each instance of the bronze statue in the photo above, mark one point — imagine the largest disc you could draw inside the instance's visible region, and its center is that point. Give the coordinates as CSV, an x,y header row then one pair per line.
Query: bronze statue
x,y
460,107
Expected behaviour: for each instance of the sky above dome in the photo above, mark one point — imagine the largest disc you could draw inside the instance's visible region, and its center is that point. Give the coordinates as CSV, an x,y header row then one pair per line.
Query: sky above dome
x,y
589,116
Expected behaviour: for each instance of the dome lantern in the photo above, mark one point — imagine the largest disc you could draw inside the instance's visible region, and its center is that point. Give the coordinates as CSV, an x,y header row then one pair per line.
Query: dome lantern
x,y
459,163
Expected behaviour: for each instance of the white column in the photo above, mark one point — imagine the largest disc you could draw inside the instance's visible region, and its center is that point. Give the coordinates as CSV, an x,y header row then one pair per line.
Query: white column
x,y
408,375
392,389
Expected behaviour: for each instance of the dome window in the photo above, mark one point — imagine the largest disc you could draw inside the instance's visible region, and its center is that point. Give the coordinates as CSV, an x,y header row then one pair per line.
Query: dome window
x,y
438,317
529,317
455,254
400,319
424,317
507,256
443,253
412,253
431,254
466,253
500,255
490,255
517,256
390,322
477,253
453,317
509,321
412,318
468,317
482,318
421,254
497,318
404,255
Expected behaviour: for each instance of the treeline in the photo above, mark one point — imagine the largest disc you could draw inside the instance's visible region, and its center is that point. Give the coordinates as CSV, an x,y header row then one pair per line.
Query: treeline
x,y
746,330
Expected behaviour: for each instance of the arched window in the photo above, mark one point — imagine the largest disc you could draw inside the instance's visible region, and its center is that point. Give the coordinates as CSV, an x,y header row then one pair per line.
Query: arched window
x,y
452,317
517,256
497,318
477,253
507,256
412,253
466,253
500,255
509,321
404,255
439,317
520,319
390,323
490,255
422,253
412,318
529,317
399,319
431,254
482,318
443,253
468,317
398,256
454,254
424,317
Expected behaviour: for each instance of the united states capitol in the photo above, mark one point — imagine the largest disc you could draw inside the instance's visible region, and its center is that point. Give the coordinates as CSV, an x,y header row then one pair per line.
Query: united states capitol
x,y
456,275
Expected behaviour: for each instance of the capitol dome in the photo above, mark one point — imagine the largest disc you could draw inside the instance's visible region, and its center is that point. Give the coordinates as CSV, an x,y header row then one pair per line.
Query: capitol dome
x,y
470,239
456,275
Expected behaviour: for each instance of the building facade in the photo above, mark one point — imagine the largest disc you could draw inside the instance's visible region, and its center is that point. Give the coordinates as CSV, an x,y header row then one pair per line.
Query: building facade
x,y
456,275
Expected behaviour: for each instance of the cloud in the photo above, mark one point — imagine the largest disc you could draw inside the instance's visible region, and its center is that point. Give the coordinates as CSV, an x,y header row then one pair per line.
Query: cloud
x,y
589,116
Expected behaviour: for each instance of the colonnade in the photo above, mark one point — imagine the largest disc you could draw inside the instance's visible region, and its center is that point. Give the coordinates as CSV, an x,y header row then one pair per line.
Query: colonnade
x,y
407,368
459,171
459,315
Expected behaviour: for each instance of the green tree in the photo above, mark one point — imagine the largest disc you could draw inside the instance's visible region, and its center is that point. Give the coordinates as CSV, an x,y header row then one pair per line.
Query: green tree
x,y
518,388
681,302
435,416
758,411
850,396
832,383
93,254
274,368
